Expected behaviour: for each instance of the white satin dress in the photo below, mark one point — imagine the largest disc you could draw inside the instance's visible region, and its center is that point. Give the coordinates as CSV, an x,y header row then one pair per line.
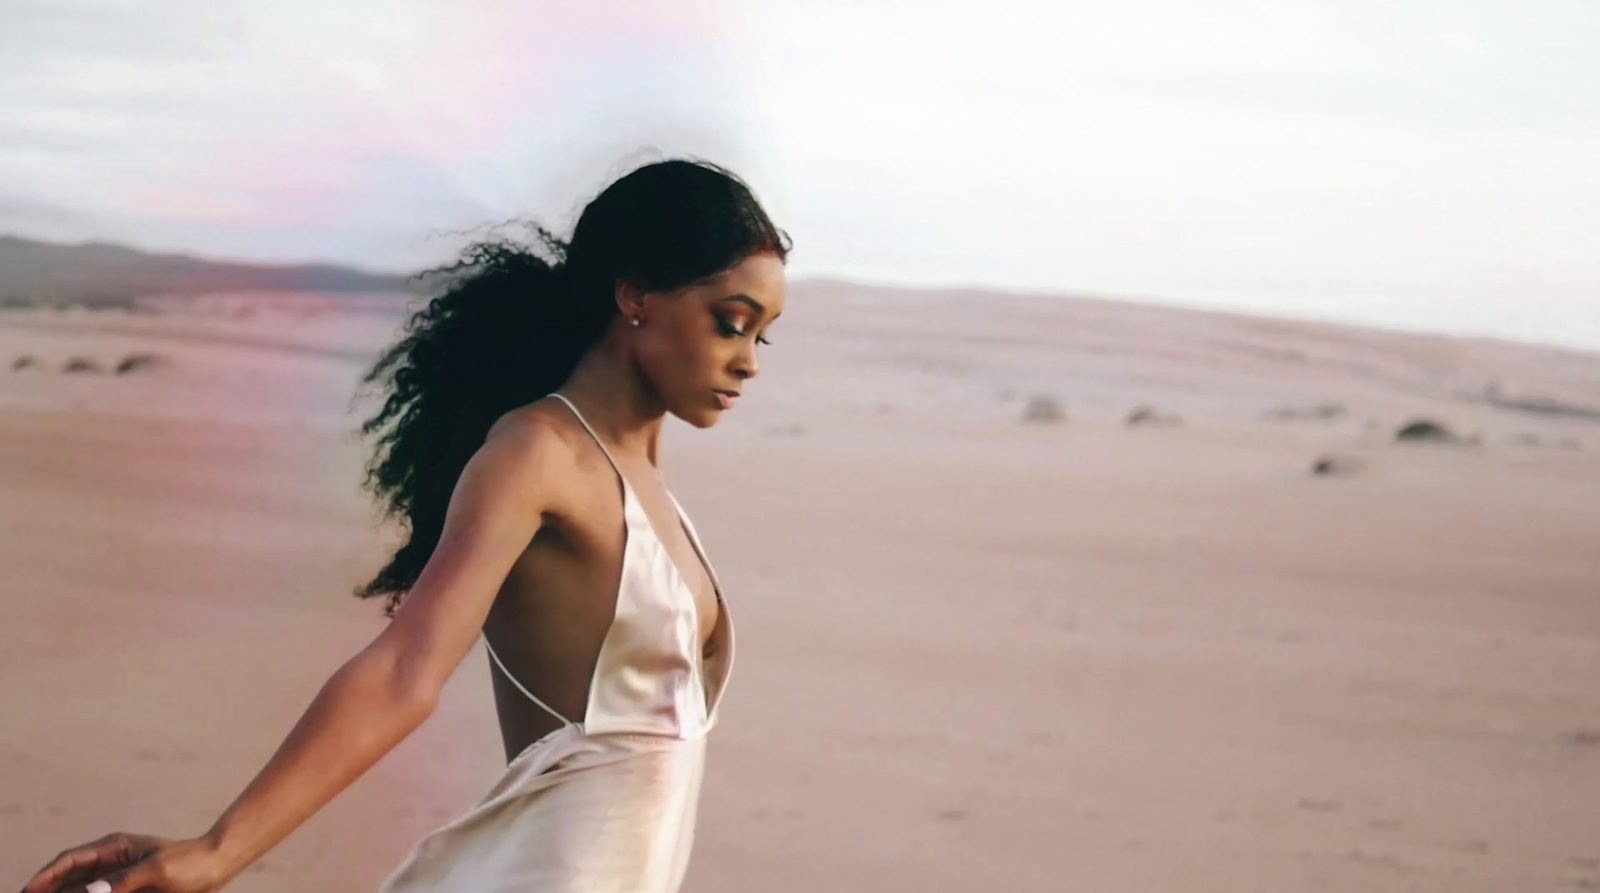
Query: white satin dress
x,y
605,804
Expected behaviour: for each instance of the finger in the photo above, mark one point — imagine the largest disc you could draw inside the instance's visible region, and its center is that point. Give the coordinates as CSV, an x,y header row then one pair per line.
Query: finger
x,y
74,855
127,880
68,864
110,851
85,870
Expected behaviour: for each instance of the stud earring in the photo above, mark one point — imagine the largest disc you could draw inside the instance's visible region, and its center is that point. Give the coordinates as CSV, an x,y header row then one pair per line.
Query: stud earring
x,y
637,321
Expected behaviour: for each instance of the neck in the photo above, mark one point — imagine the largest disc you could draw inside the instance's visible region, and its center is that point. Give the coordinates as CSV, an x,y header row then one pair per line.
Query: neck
x,y
615,398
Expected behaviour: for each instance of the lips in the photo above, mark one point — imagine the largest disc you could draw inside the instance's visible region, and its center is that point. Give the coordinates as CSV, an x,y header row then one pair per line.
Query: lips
x,y
725,398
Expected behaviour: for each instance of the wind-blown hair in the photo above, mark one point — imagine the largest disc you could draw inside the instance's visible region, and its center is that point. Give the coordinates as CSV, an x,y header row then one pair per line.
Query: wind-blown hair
x,y
511,320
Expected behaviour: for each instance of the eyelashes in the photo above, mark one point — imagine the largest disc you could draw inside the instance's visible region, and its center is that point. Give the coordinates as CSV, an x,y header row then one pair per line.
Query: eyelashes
x,y
731,331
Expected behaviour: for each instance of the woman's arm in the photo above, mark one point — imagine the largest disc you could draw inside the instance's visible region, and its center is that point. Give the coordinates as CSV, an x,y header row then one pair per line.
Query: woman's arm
x,y
382,694
361,713
375,699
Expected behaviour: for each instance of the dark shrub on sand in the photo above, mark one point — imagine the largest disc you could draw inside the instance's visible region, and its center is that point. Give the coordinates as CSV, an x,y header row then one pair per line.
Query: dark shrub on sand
x,y
1043,408
1147,416
1335,466
81,364
1426,431
136,361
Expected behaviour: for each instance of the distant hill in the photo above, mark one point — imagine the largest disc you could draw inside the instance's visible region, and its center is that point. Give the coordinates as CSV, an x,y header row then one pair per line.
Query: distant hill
x,y
98,271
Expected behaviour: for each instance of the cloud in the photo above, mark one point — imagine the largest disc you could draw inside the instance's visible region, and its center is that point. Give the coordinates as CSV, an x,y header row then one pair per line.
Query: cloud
x,y
1365,159
304,124
22,213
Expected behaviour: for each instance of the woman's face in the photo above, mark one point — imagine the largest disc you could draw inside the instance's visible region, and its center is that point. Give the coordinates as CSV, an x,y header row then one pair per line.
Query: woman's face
x,y
698,344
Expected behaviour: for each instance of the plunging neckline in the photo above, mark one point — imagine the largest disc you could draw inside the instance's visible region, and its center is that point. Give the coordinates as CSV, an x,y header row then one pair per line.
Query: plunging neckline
x,y
630,494
694,544
624,706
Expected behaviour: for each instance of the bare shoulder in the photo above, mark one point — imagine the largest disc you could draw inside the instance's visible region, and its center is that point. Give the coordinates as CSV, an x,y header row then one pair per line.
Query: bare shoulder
x,y
516,483
533,426
534,448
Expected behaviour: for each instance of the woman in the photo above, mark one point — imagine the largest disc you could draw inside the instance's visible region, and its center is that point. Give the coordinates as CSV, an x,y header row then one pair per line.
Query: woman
x,y
518,439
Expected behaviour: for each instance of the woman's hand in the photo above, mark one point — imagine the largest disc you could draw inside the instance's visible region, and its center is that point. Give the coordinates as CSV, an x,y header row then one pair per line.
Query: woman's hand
x,y
133,863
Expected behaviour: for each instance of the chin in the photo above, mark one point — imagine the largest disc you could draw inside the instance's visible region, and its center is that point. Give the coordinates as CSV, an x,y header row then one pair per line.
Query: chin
x,y
701,418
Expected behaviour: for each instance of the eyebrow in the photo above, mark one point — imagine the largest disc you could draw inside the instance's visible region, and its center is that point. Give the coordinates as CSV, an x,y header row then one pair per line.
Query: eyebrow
x,y
746,299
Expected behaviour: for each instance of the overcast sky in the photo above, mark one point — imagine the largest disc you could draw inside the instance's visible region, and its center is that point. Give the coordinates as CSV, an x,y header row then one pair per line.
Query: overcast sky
x,y
1413,164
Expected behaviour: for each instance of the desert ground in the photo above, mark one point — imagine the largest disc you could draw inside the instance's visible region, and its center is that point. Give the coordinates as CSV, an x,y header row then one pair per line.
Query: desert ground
x,y
1031,594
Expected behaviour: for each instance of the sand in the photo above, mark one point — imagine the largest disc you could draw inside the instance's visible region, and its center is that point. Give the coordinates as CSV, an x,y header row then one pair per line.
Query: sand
x,y
976,653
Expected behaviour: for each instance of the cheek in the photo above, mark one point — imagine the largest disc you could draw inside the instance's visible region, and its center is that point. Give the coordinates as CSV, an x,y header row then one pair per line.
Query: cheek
x,y
682,355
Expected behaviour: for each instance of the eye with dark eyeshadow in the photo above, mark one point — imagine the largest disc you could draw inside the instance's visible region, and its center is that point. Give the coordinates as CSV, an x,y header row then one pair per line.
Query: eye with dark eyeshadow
x,y
729,330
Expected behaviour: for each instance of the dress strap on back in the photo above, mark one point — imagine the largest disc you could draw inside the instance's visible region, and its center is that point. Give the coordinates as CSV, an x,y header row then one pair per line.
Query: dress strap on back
x,y
501,664
531,696
585,423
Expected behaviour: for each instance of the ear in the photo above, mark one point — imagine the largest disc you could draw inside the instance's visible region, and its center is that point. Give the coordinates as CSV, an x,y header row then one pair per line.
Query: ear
x,y
630,297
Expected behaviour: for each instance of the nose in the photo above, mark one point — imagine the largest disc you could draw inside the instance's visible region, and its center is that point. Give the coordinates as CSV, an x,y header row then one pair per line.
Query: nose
x,y
745,365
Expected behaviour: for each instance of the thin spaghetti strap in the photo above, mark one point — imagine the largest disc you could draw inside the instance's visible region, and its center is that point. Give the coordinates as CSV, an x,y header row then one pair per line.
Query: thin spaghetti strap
x,y
531,696
585,423
694,540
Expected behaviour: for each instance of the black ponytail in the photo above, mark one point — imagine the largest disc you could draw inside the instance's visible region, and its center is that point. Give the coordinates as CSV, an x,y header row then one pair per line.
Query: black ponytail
x,y
512,319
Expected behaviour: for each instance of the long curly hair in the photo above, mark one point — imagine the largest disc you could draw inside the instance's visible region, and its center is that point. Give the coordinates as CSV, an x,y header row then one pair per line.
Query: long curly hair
x,y
512,318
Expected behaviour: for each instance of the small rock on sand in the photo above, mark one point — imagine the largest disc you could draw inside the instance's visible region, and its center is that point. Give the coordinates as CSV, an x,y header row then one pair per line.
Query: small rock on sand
x,y
1045,409
1148,416
81,364
1426,431
26,361
136,361
1335,466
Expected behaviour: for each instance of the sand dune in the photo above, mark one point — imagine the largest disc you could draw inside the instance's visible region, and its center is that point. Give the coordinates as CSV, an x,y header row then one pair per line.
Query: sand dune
x,y
979,651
